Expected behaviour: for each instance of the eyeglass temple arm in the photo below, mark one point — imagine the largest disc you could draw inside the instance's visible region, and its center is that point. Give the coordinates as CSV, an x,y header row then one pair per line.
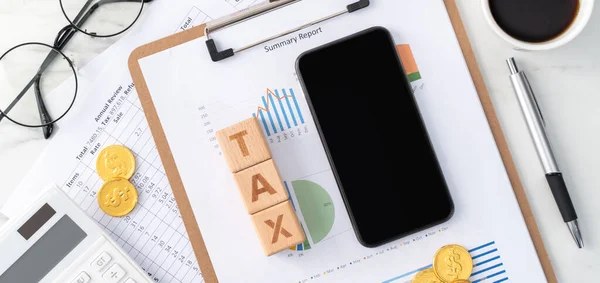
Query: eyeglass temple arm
x,y
14,102
83,11
44,115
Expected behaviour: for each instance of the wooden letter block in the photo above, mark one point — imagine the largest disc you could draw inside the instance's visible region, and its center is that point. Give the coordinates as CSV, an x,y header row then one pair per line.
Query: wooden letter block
x,y
278,228
261,186
243,145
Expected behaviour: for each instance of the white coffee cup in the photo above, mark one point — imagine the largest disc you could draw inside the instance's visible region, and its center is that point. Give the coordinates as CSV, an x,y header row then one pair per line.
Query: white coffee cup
x,y
581,19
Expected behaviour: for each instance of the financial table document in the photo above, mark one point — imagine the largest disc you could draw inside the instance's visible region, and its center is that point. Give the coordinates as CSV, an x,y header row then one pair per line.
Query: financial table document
x,y
153,234
260,82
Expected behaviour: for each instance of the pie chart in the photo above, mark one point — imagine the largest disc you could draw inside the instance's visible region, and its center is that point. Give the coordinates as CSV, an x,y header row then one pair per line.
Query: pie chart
x,y
316,207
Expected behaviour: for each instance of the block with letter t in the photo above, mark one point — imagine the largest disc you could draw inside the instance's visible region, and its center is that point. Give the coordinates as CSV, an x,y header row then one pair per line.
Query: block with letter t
x,y
243,145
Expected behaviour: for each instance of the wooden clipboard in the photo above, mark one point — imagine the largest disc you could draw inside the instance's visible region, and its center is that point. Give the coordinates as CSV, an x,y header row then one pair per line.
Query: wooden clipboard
x,y
189,219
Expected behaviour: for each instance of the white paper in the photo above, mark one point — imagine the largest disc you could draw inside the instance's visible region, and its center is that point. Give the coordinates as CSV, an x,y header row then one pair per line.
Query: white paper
x,y
195,97
153,234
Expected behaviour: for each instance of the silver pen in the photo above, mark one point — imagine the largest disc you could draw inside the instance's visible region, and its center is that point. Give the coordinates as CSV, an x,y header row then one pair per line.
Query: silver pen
x,y
536,125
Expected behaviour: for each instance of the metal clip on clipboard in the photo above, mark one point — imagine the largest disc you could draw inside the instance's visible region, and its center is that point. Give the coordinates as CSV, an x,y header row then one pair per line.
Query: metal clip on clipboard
x,y
258,11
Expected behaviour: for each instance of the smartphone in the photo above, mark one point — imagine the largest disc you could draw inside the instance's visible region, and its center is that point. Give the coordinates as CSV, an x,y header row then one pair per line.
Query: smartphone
x,y
374,136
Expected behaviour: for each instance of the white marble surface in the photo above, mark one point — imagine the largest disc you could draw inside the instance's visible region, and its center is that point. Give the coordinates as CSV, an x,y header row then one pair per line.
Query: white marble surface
x,y
566,80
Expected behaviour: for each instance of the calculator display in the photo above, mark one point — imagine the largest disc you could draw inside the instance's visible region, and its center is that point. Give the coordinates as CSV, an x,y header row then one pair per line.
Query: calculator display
x,y
46,253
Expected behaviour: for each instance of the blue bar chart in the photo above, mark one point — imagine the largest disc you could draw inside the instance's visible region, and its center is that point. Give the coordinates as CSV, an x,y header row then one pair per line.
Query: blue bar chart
x,y
487,267
279,110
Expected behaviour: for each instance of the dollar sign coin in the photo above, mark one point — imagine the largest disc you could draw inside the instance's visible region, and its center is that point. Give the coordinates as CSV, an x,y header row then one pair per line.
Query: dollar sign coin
x,y
115,161
117,197
461,281
452,262
426,276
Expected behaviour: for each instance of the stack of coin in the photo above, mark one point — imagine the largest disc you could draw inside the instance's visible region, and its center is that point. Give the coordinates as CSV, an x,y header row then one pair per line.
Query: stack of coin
x,y
451,264
115,165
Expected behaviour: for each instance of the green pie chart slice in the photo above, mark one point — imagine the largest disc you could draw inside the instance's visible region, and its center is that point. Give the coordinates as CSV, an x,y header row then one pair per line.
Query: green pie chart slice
x,y
316,207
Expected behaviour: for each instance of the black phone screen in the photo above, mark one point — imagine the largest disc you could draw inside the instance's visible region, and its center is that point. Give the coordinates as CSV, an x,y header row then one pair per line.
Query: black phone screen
x,y
374,136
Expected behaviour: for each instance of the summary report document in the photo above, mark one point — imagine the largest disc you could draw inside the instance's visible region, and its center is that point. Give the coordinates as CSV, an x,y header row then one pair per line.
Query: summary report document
x,y
195,97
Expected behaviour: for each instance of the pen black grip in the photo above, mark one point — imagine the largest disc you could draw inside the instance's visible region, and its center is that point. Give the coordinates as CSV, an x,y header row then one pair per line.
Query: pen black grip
x,y
561,196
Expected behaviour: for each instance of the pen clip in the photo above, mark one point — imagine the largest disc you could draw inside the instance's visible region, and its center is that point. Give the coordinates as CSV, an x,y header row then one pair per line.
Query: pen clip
x,y
532,94
537,107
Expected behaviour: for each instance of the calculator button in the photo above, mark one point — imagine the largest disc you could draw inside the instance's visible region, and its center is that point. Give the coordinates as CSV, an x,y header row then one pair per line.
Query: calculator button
x,y
130,280
114,274
82,278
101,261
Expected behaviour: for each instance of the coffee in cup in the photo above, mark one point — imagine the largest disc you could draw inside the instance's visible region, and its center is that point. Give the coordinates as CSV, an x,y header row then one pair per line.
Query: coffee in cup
x,y
538,24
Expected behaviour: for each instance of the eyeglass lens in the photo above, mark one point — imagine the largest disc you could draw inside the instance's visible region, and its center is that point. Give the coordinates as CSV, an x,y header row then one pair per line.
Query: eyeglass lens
x,y
37,85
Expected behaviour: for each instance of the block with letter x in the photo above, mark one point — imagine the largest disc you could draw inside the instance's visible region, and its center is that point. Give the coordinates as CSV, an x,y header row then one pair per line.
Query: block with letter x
x,y
278,228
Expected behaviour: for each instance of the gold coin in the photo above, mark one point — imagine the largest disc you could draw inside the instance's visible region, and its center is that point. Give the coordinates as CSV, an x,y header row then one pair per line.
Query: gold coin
x,y
117,197
426,276
452,262
461,281
115,161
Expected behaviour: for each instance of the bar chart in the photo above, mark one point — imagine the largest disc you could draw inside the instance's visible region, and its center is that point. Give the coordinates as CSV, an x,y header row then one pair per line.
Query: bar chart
x,y
409,62
279,111
488,266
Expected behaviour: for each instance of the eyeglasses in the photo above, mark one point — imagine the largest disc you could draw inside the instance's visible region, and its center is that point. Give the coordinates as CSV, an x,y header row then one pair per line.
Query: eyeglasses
x,y
33,69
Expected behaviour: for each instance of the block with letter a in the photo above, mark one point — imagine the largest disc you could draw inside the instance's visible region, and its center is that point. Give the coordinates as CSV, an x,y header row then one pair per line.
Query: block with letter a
x,y
243,145
278,228
261,186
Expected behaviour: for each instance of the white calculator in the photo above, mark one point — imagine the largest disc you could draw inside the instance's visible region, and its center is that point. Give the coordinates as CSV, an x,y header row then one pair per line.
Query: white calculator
x,y
55,241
